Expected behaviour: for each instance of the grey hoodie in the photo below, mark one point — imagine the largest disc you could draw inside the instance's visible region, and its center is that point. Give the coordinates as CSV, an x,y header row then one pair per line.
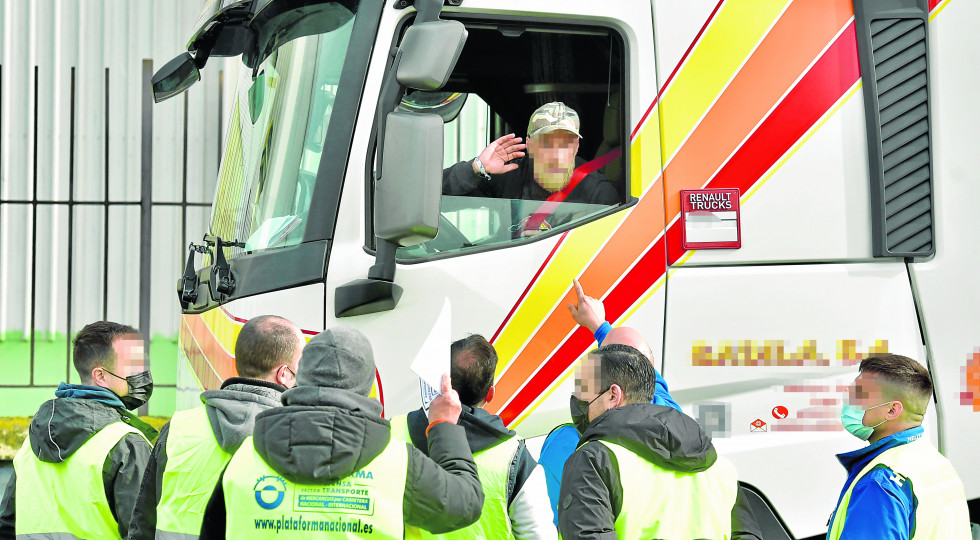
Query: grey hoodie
x,y
60,427
322,435
231,412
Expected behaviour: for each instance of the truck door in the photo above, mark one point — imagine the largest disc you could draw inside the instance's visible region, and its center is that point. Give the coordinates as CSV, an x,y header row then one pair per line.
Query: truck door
x,y
503,280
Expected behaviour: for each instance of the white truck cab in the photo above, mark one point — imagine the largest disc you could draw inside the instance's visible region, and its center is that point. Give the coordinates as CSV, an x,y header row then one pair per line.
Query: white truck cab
x,y
795,184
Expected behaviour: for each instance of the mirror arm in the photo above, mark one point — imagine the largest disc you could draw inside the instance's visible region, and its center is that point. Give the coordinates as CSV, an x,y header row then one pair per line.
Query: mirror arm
x,y
428,10
201,56
384,261
391,94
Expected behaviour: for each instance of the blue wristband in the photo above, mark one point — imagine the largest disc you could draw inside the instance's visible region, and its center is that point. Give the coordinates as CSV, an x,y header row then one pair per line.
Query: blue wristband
x,y
600,333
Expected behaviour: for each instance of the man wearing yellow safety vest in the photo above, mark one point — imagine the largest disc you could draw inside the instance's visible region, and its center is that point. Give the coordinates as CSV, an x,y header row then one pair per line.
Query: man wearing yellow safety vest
x,y
77,474
325,462
515,503
196,445
899,487
641,470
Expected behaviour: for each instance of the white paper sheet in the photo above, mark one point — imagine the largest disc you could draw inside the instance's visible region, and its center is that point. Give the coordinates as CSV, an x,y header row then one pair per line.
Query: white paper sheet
x,y
433,359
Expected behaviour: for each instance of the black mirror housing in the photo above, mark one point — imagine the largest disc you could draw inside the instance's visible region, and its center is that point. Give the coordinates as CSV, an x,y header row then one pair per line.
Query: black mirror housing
x,y
174,77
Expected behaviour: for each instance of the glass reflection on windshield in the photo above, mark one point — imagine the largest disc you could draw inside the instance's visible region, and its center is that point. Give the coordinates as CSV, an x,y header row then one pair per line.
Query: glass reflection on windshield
x,y
276,139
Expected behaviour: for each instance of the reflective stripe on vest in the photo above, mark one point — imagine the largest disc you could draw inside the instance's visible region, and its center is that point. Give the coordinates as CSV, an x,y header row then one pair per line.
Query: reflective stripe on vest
x,y
67,499
194,464
260,503
659,503
941,512
493,466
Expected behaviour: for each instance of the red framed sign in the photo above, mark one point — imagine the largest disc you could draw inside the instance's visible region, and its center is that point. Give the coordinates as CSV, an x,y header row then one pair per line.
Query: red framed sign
x,y
710,219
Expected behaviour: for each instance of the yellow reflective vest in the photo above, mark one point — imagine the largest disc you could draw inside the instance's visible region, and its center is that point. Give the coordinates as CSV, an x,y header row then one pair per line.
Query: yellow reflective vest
x,y
659,503
493,466
194,464
941,512
67,499
260,503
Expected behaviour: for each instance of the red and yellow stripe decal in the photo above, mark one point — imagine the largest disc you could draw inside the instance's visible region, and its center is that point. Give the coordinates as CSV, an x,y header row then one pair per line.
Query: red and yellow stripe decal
x,y
758,80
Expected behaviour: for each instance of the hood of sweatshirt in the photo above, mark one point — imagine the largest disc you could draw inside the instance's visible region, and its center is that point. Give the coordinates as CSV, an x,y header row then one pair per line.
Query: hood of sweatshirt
x,y
232,409
321,435
483,430
62,425
661,435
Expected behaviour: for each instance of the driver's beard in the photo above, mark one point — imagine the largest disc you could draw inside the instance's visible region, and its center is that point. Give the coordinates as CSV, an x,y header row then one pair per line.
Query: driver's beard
x,y
555,177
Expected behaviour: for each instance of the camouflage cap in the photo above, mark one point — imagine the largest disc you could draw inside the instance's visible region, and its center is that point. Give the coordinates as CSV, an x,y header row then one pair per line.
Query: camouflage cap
x,y
551,117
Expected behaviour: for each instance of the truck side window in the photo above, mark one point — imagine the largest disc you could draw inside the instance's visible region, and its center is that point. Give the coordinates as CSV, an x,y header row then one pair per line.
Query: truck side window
x,y
563,86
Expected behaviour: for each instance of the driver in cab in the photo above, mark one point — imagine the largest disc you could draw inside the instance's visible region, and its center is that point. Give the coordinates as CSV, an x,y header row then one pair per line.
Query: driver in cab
x,y
553,172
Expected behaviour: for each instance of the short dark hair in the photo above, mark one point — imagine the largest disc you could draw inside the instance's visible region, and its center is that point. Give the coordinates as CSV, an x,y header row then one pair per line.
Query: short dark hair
x,y
626,367
263,344
474,364
905,376
93,346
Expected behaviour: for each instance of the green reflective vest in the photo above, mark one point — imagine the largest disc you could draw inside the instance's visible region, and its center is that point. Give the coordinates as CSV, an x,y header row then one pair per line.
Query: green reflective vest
x,y
493,466
67,500
659,503
941,512
259,503
194,464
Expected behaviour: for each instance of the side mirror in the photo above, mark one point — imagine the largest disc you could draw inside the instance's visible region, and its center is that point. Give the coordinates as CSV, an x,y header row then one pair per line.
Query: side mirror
x,y
408,196
174,77
429,54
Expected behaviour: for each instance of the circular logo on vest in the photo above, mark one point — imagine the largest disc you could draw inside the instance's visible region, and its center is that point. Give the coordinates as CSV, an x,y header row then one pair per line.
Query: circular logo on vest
x,y
270,492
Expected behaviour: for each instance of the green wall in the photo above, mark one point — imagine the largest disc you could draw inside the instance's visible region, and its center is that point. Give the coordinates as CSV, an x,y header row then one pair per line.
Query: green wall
x,y
21,396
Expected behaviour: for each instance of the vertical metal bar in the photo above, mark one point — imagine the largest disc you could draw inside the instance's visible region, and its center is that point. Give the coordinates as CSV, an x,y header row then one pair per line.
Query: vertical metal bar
x,y
71,221
146,207
183,197
34,228
105,206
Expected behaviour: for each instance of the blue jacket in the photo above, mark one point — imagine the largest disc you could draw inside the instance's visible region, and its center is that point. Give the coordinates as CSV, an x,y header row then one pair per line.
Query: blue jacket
x,y
886,506
563,440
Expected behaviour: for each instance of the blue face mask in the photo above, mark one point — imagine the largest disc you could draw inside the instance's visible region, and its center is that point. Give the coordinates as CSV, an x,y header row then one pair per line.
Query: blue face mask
x,y
852,417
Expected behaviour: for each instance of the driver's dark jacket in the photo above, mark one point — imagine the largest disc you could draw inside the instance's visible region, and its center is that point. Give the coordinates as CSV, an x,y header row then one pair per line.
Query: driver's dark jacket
x,y
460,179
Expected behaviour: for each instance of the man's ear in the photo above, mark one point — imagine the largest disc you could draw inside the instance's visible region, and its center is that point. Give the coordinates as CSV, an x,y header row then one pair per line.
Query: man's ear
x,y
616,396
98,377
895,410
490,394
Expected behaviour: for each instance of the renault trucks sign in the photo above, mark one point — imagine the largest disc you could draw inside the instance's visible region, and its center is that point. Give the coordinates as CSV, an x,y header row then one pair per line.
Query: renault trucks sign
x,y
711,219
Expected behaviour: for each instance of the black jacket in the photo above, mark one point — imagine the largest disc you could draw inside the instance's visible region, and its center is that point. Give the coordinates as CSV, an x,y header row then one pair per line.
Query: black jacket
x,y
460,179
483,430
591,490
60,427
322,435
231,413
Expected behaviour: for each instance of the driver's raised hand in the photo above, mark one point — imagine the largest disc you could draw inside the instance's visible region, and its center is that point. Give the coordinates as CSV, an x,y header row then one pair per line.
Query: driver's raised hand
x,y
495,157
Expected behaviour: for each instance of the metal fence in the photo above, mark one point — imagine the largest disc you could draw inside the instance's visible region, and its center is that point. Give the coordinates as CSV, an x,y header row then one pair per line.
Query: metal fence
x,y
100,190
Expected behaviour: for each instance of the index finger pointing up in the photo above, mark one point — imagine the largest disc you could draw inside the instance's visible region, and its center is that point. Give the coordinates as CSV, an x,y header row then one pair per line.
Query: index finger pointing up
x,y
578,291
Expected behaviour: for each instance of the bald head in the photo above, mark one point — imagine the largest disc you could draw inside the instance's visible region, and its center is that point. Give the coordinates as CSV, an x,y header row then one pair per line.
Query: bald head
x,y
624,335
265,344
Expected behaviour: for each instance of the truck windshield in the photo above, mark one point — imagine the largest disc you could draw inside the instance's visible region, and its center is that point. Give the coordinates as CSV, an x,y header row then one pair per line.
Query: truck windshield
x,y
279,125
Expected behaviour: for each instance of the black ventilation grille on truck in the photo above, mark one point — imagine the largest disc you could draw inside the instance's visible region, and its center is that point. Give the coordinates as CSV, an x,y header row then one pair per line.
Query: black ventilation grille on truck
x,y
893,52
